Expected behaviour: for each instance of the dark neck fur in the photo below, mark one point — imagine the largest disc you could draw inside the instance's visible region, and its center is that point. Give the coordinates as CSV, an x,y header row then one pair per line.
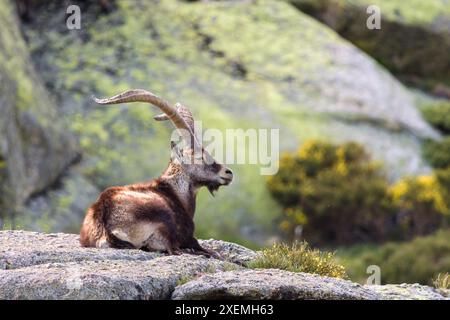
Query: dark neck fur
x,y
177,187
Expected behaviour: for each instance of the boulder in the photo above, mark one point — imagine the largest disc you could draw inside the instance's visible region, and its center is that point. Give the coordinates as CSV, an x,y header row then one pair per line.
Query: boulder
x,y
271,284
406,291
279,284
35,145
103,279
53,266
411,32
19,249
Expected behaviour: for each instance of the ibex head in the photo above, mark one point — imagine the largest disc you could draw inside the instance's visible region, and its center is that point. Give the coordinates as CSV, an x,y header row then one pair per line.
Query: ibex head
x,y
189,158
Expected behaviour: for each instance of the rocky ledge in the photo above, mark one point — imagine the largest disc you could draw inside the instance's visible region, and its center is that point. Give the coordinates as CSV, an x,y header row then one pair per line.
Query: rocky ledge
x,y
54,266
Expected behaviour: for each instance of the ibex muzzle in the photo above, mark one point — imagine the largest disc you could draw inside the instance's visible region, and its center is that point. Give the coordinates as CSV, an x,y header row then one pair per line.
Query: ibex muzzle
x,y
157,215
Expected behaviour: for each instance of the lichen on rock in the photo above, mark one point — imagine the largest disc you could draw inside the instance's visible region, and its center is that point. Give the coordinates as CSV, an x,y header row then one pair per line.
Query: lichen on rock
x,y
53,266
35,145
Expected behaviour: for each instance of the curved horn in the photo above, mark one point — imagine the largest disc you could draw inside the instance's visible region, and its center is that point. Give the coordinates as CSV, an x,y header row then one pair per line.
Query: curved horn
x,y
140,95
183,111
180,116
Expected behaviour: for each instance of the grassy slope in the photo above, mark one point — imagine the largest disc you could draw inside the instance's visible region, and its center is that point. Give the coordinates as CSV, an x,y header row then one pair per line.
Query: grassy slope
x,y
420,260
258,77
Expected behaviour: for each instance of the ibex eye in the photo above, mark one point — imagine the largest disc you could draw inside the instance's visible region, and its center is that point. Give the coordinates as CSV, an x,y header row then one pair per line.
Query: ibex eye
x,y
215,167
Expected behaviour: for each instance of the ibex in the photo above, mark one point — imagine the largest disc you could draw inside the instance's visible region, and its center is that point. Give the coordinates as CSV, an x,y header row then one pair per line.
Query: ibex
x,y
157,215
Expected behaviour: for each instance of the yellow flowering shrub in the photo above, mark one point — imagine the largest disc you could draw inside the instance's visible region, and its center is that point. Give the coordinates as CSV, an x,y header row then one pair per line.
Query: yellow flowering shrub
x,y
422,204
334,193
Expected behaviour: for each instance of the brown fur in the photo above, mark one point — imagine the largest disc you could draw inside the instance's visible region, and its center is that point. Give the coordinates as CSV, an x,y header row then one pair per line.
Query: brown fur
x,y
154,216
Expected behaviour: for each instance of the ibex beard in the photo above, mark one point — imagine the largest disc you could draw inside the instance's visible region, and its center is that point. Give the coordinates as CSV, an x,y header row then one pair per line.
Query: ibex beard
x,y
157,215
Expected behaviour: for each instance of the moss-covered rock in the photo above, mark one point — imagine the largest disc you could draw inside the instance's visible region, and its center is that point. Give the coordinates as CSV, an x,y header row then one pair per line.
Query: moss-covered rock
x,y
61,207
413,42
282,69
35,145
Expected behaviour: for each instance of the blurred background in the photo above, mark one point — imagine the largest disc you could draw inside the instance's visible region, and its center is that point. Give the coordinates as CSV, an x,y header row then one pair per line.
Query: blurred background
x,y
364,118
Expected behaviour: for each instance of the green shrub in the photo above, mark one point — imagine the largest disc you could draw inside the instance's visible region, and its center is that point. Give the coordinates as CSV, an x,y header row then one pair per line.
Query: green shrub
x,y
438,152
299,257
443,178
438,115
419,260
335,192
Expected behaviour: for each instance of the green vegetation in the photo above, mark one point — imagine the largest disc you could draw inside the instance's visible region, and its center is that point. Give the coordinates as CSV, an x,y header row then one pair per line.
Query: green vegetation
x,y
443,178
299,257
442,281
438,152
438,115
419,260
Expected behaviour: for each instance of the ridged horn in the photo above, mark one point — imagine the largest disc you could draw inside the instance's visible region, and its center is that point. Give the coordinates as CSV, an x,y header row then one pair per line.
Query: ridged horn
x,y
180,116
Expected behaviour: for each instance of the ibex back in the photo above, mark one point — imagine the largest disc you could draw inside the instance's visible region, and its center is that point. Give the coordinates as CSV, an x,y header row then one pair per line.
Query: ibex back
x,y
158,215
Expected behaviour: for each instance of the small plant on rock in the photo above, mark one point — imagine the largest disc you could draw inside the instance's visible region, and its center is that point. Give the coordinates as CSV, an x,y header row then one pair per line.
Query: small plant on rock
x,y
442,281
299,257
